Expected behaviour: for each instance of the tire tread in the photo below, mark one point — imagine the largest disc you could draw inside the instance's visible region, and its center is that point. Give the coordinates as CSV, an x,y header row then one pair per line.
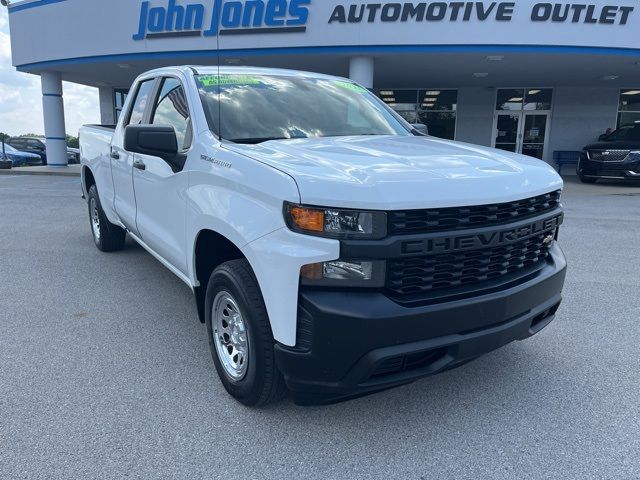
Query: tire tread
x,y
273,386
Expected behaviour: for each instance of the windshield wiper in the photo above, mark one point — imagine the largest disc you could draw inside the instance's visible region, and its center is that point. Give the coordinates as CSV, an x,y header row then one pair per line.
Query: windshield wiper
x,y
256,140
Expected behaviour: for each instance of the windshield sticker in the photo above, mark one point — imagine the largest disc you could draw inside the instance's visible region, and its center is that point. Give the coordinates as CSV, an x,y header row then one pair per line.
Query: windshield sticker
x,y
215,80
352,86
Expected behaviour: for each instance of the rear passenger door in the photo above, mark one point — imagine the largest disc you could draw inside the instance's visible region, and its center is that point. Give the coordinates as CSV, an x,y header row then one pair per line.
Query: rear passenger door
x,y
160,187
122,161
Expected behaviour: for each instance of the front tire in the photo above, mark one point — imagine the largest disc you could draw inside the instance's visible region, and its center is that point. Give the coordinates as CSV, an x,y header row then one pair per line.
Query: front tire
x,y
240,335
107,236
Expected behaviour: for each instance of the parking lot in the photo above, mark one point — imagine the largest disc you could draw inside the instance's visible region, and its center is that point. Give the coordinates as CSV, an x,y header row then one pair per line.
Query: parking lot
x,y
105,371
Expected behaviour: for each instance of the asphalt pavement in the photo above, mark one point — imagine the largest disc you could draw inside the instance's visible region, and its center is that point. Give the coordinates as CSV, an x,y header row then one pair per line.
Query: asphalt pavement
x,y
105,370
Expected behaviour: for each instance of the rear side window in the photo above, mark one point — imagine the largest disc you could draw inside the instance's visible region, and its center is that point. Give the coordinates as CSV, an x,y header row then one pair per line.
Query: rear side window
x,y
16,142
172,110
140,103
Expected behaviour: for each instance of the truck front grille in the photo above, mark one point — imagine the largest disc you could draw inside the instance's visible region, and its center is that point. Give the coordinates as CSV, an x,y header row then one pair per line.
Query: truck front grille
x,y
608,155
457,270
462,218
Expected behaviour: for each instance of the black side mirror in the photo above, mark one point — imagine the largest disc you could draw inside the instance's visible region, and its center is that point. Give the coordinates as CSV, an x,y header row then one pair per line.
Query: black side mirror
x,y
602,137
421,128
154,140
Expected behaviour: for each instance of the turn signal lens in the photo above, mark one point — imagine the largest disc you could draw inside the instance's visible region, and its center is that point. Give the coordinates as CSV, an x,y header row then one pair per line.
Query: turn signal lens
x,y
307,219
314,271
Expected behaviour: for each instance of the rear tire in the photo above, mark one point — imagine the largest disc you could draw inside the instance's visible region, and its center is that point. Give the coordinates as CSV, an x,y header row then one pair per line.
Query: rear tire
x,y
240,336
584,179
107,236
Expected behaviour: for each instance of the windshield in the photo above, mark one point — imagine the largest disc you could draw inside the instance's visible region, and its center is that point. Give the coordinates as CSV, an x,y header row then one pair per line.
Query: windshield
x,y
626,132
257,108
9,148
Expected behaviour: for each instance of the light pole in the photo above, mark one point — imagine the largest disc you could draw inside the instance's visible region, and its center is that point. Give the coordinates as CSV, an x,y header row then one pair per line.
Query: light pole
x,y
4,3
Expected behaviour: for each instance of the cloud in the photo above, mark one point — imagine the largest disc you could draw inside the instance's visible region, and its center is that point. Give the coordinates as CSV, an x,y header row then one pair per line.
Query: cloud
x,y
21,97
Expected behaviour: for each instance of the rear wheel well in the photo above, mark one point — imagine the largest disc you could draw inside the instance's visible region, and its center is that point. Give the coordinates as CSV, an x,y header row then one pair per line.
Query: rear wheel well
x,y
88,178
211,251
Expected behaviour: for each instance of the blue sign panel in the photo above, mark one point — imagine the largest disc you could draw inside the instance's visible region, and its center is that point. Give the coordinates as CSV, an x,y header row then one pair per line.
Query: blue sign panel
x,y
221,17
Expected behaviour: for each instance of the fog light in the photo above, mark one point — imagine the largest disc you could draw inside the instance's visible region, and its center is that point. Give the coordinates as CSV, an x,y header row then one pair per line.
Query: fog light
x,y
346,273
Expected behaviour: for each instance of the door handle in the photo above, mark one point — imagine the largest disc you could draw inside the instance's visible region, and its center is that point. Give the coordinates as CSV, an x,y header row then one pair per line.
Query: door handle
x,y
139,164
115,155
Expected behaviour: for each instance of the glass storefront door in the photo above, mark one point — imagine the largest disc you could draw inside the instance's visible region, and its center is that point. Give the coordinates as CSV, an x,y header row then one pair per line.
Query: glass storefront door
x,y
521,132
507,132
534,134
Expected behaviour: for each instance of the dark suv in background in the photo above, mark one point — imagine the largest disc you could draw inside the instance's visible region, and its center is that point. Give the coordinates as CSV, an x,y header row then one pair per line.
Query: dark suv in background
x,y
616,156
31,145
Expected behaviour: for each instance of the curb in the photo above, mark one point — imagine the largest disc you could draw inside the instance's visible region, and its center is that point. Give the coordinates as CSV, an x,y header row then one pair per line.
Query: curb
x,y
42,171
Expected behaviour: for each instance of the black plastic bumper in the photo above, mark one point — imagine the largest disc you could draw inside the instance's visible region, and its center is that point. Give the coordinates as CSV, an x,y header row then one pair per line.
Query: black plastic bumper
x,y
627,169
355,343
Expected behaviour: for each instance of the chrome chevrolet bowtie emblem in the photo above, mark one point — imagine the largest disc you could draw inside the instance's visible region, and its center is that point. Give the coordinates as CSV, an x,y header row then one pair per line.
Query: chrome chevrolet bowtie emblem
x,y
548,240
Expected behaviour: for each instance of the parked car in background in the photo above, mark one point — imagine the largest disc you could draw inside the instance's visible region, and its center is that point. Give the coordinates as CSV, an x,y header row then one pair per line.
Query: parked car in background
x,y
614,156
35,145
73,155
20,159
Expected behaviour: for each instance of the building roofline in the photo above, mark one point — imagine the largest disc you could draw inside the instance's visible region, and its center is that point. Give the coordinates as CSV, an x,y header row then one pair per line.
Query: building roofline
x,y
327,50
28,4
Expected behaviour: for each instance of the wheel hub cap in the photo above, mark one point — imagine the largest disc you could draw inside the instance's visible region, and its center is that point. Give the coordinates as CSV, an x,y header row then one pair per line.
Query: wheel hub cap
x,y
230,336
95,218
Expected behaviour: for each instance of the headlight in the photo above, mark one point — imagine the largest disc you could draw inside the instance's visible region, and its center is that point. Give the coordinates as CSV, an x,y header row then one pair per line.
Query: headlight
x,y
344,273
336,223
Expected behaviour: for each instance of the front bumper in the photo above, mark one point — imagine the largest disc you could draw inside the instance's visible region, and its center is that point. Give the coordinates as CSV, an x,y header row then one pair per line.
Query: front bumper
x,y
354,343
627,169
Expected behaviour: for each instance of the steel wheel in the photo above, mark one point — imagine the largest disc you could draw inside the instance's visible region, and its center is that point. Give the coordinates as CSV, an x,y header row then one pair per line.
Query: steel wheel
x,y
95,219
230,336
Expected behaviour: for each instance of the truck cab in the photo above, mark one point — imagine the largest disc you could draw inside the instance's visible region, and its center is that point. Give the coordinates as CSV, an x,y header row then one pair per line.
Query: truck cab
x,y
333,250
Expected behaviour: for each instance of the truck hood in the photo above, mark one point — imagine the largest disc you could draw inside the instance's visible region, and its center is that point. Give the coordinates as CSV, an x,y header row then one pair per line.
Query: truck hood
x,y
402,172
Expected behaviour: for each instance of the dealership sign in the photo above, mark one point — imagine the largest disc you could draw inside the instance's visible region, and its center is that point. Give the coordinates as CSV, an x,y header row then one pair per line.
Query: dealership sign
x,y
391,12
220,17
235,17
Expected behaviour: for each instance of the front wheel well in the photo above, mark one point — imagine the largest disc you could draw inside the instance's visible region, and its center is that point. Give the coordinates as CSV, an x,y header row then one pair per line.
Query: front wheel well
x,y
211,251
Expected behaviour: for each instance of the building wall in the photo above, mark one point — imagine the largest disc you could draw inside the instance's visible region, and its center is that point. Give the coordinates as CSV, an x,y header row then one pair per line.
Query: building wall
x,y
475,115
580,115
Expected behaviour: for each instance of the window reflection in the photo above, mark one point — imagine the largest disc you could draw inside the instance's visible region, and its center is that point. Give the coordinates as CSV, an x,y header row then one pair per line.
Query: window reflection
x,y
629,107
172,110
254,109
435,108
524,99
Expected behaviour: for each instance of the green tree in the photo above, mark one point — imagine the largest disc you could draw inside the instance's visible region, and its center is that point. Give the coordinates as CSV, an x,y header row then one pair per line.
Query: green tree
x,y
73,142
4,137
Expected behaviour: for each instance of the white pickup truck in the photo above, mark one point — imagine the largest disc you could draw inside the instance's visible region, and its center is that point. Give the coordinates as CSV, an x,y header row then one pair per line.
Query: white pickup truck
x,y
333,250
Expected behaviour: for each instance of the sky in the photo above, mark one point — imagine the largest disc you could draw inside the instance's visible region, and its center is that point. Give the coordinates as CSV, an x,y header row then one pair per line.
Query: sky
x,y
21,96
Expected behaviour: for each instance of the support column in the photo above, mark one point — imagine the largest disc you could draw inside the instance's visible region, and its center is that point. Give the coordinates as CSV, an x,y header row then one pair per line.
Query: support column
x,y
107,107
53,109
361,70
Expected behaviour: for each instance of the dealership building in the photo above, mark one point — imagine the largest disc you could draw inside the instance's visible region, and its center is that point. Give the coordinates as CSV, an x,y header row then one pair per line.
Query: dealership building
x,y
526,76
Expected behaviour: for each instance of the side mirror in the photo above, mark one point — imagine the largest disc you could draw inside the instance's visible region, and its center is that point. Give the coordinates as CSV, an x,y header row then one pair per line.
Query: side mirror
x,y
154,140
421,127
602,137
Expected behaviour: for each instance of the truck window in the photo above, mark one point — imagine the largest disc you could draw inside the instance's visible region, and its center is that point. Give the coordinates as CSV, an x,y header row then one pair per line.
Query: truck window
x,y
142,98
257,108
172,109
